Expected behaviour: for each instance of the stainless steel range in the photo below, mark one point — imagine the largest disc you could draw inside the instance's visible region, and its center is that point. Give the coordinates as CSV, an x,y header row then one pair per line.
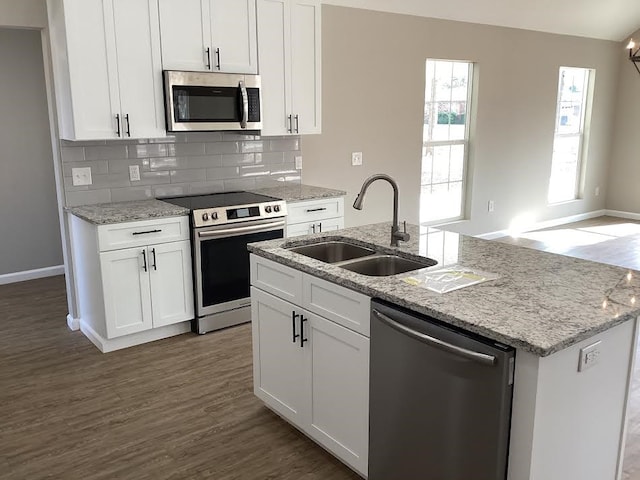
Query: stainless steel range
x,y
222,225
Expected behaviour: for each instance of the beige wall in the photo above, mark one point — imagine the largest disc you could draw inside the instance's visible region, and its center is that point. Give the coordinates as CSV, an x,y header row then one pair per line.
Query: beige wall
x,y
373,94
624,179
23,13
30,236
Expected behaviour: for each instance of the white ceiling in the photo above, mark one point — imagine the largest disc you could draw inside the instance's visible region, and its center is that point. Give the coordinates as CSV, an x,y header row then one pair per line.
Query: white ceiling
x,y
603,19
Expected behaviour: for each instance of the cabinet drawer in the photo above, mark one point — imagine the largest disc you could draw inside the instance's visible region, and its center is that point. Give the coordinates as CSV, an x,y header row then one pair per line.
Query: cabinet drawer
x,y
277,279
315,210
345,307
145,232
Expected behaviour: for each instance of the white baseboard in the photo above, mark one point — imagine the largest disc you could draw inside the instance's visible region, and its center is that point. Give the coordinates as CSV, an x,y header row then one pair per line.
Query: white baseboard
x,y
106,346
73,323
31,274
618,213
548,224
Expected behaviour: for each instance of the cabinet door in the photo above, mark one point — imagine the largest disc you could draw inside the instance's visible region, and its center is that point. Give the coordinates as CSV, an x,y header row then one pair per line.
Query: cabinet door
x,y
139,67
274,53
280,374
171,283
339,393
233,36
308,228
185,34
125,285
86,91
329,225
305,66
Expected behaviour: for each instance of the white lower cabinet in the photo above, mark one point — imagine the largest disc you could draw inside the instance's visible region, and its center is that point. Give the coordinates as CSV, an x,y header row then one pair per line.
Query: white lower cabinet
x,y
312,371
134,281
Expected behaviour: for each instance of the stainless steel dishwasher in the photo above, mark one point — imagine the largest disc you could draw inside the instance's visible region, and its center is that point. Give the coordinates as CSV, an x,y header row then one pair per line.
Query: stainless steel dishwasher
x,y
440,400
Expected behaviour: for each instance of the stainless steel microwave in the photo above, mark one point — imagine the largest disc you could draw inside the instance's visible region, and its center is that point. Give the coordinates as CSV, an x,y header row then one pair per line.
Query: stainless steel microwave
x,y
207,101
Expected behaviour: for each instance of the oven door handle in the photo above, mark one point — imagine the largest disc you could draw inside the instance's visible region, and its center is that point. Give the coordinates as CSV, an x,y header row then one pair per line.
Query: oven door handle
x,y
265,227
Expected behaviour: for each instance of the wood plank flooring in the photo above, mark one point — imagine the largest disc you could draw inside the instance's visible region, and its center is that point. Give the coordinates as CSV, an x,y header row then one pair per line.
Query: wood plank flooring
x,y
181,408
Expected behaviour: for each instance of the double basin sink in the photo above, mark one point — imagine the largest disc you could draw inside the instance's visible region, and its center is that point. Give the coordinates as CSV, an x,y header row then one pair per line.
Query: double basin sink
x,y
359,259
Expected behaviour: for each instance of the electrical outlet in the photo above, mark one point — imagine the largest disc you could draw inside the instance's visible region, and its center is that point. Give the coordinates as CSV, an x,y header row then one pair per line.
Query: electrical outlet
x,y
597,191
134,173
356,159
81,176
298,159
589,356
491,206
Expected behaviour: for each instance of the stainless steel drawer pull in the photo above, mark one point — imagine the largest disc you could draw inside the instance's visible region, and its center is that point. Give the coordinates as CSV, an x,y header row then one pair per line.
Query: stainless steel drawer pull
x,y
447,347
309,210
147,232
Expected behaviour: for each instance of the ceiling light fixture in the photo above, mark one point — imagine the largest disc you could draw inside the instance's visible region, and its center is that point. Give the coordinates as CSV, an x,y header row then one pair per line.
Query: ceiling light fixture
x,y
634,56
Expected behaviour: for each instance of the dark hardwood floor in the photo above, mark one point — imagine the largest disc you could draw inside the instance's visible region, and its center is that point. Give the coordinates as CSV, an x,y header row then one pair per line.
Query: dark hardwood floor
x,y
181,408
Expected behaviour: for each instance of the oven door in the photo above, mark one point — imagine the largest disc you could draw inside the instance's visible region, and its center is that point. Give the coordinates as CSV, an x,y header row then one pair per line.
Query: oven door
x,y
222,263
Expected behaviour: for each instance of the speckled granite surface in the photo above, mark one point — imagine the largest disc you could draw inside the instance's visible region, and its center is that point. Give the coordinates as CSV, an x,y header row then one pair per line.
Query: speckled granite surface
x,y
106,213
299,192
541,303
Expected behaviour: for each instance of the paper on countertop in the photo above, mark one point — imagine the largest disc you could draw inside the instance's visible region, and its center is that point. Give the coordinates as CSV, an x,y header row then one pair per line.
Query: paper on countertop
x,y
447,279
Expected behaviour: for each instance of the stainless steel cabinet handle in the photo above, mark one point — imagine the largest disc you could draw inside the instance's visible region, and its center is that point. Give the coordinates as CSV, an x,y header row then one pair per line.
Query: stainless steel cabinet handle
x,y
240,230
128,125
309,210
320,227
153,252
245,105
297,124
218,58
447,347
313,228
144,260
118,124
290,128
208,64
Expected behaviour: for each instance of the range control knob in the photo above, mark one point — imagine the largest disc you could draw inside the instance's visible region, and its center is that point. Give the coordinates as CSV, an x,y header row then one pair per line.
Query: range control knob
x,y
267,209
205,216
214,215
276,208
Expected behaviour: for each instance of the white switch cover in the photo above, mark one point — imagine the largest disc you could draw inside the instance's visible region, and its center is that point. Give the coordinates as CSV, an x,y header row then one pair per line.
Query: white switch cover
x,y
298,159
356,159
589,356
491,206
134,173
597,191
81,176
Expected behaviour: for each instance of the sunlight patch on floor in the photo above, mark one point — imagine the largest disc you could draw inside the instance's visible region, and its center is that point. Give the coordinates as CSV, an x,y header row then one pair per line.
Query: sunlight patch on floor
x,y
615,229
566,238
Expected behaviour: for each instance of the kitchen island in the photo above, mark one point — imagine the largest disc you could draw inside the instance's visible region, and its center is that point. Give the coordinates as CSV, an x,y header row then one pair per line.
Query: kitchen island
x,y
565,423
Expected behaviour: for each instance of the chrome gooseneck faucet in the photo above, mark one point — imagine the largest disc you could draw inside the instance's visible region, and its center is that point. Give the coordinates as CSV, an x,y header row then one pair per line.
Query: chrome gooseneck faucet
x,y
396,234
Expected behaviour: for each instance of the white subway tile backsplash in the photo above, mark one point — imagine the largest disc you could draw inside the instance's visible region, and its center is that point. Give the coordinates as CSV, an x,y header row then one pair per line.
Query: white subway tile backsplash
x,y
200,188
88,197
222,148
180,164
187,176
148,150
131,193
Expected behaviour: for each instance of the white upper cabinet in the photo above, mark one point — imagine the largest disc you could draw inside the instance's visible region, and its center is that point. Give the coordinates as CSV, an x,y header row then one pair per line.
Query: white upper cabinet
x,y
289,56
107,68
209,35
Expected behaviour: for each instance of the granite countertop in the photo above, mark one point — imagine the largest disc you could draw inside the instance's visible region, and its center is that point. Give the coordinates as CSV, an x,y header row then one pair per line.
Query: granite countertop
x,y
299,192
541,302
106,213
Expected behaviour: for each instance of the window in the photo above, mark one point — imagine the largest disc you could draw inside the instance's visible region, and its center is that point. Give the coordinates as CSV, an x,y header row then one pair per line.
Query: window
x,y
564,181
445,140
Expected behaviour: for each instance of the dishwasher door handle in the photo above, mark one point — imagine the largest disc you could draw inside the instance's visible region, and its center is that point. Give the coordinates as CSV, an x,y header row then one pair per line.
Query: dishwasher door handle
x,y
447,347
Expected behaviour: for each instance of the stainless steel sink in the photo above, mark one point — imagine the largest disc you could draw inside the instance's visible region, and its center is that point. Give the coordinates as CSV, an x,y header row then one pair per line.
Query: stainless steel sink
x,y
385,265
333,252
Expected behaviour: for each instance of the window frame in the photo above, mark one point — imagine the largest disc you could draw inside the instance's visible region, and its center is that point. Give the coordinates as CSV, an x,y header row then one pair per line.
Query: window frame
x,y
450,143
582,135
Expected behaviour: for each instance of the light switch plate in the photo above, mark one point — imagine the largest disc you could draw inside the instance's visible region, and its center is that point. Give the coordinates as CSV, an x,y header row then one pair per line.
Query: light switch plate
x,y
81,176
134,173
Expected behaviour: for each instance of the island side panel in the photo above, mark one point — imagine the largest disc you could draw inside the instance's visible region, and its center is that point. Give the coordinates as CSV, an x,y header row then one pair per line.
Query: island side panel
x,y
580,416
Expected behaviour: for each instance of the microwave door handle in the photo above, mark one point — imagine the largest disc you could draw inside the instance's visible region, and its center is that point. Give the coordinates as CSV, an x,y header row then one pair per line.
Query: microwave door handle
x,y
245,105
